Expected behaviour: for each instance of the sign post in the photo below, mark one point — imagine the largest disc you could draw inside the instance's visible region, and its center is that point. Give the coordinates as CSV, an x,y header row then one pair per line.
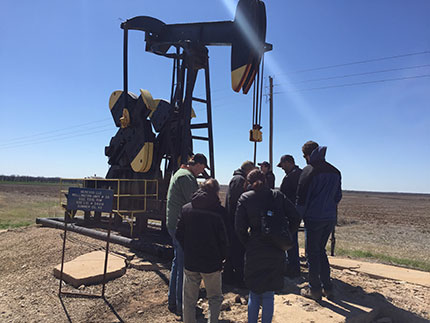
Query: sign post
x,y
87,199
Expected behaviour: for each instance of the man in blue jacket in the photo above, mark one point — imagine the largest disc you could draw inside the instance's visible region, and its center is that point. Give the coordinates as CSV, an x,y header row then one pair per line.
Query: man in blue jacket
x,y
318,194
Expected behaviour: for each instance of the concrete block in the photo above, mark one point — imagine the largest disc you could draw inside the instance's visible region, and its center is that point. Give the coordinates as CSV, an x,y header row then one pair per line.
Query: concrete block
x,y
88,269
141,264
305,310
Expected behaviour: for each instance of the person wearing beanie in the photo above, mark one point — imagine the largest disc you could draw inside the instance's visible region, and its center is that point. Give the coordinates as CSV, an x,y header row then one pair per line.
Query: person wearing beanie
x,y
318,194
202,235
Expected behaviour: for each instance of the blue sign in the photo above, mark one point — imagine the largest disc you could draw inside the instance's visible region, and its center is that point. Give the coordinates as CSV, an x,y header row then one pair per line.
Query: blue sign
x,y
90,199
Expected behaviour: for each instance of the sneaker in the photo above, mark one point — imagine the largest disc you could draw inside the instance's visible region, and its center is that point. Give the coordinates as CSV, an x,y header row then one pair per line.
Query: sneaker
x,y
328,293
179,312
309,293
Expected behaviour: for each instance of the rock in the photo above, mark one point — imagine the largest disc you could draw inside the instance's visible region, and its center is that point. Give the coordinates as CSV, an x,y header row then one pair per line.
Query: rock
x,y
287,302
350,272
200,302
140,312
141,264
129,255
204,306
226,306
237,299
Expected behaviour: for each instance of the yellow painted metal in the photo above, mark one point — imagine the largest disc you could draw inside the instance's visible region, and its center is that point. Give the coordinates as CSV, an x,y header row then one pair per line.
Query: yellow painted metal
x,y
238,76
143,160
150,103
113,98
125,119
255,135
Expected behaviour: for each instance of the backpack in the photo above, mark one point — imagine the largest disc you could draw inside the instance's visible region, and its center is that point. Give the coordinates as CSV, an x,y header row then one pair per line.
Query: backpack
x,y
275,224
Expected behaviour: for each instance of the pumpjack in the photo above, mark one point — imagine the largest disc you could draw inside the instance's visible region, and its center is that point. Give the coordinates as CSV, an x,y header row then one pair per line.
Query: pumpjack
x,y
152,131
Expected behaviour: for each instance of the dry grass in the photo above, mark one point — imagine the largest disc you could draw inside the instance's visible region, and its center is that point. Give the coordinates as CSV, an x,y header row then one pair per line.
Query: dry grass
x,y
391,228
19,208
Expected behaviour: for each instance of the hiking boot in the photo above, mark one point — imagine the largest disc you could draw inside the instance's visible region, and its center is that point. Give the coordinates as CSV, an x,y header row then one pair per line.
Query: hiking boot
x,y
328,293
309,293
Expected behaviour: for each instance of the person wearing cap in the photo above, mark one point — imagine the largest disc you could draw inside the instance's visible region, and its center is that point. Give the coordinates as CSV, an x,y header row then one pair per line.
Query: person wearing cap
x,y
318,194
289,188
202,235
181,188
233,268
266,168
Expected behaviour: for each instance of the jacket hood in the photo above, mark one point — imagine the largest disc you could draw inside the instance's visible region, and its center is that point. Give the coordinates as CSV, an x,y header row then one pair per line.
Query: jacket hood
x,y
205,200
240,172
318,154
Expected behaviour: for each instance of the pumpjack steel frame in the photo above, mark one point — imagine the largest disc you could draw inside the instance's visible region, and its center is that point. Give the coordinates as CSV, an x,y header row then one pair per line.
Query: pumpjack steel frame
x,y
186,44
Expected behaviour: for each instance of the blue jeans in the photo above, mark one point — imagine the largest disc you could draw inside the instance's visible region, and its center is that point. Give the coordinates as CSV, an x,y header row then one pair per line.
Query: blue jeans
x,y
176,274
266,299
317,234
293,254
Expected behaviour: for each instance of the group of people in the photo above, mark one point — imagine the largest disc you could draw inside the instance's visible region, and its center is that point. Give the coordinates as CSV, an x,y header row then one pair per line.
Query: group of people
x,y
226,244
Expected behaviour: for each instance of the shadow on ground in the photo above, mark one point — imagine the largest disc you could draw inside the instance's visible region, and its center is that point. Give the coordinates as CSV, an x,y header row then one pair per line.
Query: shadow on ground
x,y
350,302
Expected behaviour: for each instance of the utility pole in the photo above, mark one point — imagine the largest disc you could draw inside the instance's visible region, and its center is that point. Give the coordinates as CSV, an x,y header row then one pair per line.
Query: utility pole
x,y
271,121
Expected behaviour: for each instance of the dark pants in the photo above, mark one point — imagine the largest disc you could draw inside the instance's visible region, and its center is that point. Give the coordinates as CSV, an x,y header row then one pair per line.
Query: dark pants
x,y
176,274
234,265
318,233
293,255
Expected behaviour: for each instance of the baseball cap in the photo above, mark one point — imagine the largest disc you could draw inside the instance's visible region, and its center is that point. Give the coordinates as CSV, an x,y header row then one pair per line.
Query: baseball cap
x,y
265,163
200,159
286,158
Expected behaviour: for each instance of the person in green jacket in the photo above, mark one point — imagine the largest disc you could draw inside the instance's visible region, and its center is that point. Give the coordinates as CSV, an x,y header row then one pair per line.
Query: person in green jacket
x,y
181,188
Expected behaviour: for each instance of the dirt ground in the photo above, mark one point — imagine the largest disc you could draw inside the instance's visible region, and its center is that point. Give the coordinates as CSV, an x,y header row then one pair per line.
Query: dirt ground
x,y
29,291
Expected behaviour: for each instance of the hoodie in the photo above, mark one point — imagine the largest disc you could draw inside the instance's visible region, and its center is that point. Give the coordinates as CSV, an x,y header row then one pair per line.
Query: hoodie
x,y
201,233
236,187
319,190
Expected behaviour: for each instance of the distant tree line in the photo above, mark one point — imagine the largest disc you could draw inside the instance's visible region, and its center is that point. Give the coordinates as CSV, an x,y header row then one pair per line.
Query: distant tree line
x,y
19,178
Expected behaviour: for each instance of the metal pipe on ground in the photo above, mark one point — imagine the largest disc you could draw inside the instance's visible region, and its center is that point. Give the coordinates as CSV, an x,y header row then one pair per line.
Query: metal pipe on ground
x,y
58,223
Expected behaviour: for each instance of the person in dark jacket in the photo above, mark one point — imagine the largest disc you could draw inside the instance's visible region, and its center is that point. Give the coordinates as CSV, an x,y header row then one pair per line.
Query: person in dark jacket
x,y
291,178
266,168
264,262
233,268
289,188
318,194
181,188
202,235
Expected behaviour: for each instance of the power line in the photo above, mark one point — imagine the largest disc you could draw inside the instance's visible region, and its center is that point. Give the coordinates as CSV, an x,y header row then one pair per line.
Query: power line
x,y
39,137
42,141
354,84
357,62
358,74
56,131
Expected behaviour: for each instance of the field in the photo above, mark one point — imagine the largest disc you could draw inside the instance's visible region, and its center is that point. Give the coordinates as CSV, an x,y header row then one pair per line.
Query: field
x,y
383,227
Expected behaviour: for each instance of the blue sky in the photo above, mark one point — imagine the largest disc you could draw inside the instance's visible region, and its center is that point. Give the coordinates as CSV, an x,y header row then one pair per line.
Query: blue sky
x,y
60,61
